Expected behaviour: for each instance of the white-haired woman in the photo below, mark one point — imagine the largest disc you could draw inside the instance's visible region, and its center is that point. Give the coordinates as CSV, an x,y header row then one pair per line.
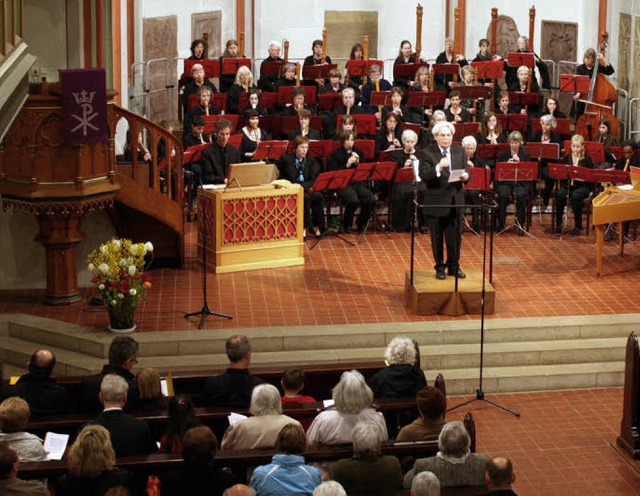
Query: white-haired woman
x,y
515,154
402,378
267,77
473,196
368,471
329,488
402,192
522,85
454,465
547,134
242,84
262,429
352,398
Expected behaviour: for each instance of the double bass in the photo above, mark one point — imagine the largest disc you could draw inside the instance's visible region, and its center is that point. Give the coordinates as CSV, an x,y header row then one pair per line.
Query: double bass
x,y
599,104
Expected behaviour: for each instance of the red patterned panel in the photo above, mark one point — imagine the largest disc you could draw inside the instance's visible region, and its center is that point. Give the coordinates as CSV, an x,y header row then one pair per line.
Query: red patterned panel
x,y
267,218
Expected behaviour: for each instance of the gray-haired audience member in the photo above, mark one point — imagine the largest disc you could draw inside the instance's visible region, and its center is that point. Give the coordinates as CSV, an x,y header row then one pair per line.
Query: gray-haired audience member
x,y
129,436
425,484
454,465
233,388
262,428
123,356
239,490
9,482
401,378
329,488
500,476
352,398
368,472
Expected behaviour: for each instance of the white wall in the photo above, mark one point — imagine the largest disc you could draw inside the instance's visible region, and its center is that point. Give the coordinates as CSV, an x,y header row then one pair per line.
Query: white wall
x,y
45,31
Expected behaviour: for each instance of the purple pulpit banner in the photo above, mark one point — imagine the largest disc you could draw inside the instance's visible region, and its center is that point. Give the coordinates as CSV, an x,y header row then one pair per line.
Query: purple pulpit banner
x,y
84,105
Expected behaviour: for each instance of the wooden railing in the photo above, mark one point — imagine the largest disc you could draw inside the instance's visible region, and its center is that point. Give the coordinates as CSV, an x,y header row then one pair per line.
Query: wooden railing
x,y
10,24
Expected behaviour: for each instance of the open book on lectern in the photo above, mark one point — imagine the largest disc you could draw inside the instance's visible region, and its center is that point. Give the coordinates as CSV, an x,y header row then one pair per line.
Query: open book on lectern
x,y
250,174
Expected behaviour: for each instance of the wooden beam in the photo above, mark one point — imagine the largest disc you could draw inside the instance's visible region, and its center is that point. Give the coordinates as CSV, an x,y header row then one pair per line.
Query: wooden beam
x,y
240,13
116,35
462,26
100,55
131,47
87,33
532,26
602,18
447,19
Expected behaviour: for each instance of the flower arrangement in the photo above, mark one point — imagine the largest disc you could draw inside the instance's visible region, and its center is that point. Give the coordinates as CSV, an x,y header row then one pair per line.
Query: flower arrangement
x,y
117,269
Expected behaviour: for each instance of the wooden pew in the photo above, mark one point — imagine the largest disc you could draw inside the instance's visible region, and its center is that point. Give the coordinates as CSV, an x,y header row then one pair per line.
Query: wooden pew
x,y
629,438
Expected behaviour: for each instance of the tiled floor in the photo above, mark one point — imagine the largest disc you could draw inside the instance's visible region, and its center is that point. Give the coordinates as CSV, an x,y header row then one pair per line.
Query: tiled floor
x,y
341,284
561,443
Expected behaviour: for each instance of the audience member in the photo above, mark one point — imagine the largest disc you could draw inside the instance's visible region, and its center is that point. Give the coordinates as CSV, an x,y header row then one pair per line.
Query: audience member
x,y
368,472
352,398
239,490
123,355
14,417
181,418
292,384
329,488
401,378
500,476
233,388
425,484
129,436
287,472
198,473
454,465
39,389
262,428
432,407
10,485
151,397
91,463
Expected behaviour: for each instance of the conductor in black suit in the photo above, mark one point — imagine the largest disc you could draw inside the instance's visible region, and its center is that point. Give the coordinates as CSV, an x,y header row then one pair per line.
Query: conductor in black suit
x,y
442,196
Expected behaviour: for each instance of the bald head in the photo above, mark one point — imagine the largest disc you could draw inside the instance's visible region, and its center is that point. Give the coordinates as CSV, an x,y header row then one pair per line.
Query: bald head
x,y
239,490
42,363
499,473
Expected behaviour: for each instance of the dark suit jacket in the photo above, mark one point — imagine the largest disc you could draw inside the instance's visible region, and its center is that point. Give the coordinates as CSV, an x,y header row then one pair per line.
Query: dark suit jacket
x,y
215,162
232,388
88,400
129,436
71,485
439,190
44,396
196,479
288,171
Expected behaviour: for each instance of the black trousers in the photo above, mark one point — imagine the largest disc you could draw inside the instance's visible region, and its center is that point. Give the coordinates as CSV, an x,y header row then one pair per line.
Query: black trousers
x,y
505,190
402,205
446,230
354,196
313,210
579,193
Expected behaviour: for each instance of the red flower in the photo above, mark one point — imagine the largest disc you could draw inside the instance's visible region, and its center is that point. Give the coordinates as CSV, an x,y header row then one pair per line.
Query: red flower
x,y
124,287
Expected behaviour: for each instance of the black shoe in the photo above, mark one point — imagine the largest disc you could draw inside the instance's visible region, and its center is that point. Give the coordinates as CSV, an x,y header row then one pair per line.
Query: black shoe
x,y
574,232
476,227
423,230
350,230
558,231
461,275
440,274
500,228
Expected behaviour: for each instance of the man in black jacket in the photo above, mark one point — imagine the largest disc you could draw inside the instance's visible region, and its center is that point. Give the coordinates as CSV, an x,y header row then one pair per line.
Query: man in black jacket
x,y
123,355
233,388
217,157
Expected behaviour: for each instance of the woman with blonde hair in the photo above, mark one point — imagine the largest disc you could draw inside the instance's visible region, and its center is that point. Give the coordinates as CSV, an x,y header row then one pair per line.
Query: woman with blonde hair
x,y
91,463
151,397
14,417
242,84
352,403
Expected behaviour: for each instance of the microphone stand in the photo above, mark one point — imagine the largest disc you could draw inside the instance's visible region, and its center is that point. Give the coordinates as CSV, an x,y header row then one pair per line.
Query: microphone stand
x,y
204,311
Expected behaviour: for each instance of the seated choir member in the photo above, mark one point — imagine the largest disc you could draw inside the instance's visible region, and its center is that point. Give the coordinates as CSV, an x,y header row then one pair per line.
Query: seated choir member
x,y
297,104
586,69
551,108
357,53
316,59
576,189
456,113
607,139
405,56
521,85
402,192
491,132
387,138
484,55
432,408
252,135
347,124
230,52
217,157
629,157
375,83
444,82
242,84
348,107
266,83
301,169
475,106
547,135
357,194
352,403
253,103
192,87
305,129
396,106
197,50
205,107
473,196
288,76
516,153
504,106
420,115
511,72
334,85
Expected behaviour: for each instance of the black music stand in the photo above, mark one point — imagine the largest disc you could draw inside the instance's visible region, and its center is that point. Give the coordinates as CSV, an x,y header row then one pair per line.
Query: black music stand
x,y
563,172
332,181
381,172
270,150
480,179
516,172
542,151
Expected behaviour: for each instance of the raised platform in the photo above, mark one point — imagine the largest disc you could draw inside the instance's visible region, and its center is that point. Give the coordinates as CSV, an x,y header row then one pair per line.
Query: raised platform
x,y
430,296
